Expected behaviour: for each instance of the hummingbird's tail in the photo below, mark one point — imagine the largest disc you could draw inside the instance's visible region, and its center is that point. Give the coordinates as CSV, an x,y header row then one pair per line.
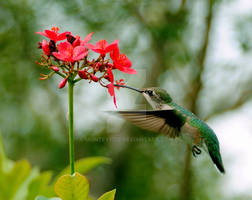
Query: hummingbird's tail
x,y
214,152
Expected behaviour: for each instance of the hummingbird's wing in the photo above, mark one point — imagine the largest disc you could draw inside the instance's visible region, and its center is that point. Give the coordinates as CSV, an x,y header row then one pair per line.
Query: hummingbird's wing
x,y
167,122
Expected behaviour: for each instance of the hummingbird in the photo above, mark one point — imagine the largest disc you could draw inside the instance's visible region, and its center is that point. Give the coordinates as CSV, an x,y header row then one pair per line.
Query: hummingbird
x,y
175,121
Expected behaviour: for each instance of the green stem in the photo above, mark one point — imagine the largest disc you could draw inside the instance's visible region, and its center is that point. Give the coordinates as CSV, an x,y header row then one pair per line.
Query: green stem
x,y
71,132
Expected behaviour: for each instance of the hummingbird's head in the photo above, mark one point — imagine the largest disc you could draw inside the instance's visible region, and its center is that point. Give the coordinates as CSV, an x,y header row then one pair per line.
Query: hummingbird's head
x,y
156,96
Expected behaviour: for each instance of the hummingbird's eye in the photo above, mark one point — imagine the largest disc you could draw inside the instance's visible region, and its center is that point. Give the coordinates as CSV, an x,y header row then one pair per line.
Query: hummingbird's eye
x,y
150,92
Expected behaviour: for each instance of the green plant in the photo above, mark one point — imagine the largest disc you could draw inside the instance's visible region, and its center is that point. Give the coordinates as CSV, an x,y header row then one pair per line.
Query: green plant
x,y
19,181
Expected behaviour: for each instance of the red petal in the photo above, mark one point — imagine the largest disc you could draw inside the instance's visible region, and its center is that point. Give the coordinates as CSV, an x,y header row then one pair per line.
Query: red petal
x,y
124,61
77,41
65,47
42,33
65,51
87,38
90,46
115,101
112,46
126,70
111,89
60,56
52,35
110,74
62,36
79,53
101,44
114,55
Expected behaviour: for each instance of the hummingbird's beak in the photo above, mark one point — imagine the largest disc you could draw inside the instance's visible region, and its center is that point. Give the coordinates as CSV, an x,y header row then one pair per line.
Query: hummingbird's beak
x,y
125,86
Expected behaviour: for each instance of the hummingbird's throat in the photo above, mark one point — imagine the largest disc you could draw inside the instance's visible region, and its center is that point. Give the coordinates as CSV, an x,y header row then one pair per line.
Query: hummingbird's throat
x,y
154,104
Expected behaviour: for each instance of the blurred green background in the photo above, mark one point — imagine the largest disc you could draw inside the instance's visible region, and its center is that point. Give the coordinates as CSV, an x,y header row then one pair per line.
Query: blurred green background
x,y
198,50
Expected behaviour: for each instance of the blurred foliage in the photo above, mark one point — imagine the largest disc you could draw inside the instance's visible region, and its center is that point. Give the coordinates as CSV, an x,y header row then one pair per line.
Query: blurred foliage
x,y
21,182
168,40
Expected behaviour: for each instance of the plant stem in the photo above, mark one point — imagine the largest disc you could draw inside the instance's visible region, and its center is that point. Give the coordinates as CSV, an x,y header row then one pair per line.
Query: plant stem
x,y
71,132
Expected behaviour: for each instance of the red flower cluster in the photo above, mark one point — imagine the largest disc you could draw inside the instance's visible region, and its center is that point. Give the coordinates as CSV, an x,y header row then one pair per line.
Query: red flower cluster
x,y
70,58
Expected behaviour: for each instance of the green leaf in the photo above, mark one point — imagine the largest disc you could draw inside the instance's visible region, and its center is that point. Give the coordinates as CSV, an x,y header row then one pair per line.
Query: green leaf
x,y
74,187
23,189
12,181
86,164
108,195
44,198
5,163
39,185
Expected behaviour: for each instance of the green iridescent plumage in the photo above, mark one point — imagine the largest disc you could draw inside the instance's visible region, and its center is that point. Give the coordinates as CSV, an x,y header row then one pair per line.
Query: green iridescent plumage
x,y
206,133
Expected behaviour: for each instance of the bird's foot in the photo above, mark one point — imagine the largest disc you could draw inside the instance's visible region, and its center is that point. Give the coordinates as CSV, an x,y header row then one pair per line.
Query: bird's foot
x,y
195,151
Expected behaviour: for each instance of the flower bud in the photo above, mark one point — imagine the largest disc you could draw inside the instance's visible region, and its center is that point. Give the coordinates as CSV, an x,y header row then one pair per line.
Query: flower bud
x,y
97,65
55,68
62,83
82,74
46,48
39,45
110,65
52,46
94,78
70,38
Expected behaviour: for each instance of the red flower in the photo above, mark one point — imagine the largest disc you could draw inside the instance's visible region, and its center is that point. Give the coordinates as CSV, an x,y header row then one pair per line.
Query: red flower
x,y
69,53
62,83
120,82
121,62
54,35
103,47
78,42
110,86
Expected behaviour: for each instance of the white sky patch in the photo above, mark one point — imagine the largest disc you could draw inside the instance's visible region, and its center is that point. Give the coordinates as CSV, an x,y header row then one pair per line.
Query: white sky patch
x,y
235,135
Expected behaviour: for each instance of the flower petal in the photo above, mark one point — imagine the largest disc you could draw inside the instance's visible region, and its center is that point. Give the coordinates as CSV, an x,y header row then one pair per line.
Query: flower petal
x,y
110,75
60,56
111,89
90,46
87,38
79,53
115,53
42,33
127,70
65,51
77,41
101,44
115,101
62,36
65,47
112,46
51,35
